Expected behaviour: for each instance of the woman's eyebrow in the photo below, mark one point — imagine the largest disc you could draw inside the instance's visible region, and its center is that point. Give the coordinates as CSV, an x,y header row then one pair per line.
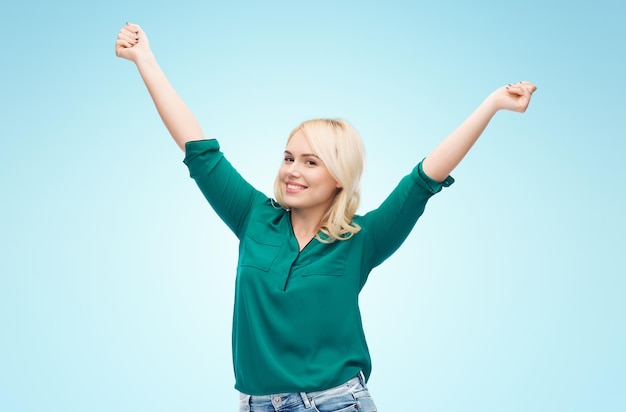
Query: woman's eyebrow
x,y
287,152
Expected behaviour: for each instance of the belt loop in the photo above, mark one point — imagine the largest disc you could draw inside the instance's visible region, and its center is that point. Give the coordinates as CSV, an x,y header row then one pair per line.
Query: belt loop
x,y
361,376
305,400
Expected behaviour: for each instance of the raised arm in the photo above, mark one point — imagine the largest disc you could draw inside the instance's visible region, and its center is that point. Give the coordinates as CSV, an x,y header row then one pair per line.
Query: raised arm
x,y
449,153
132,44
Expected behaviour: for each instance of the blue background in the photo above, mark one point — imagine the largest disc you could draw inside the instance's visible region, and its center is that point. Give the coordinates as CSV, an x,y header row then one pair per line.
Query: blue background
x,y
116,278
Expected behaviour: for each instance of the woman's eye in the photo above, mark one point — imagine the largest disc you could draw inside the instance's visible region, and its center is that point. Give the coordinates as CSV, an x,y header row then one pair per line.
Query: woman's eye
x,y
288,159
311,162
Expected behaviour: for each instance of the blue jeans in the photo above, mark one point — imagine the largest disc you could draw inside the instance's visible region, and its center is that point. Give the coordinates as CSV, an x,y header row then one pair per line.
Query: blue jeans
x,y
351,396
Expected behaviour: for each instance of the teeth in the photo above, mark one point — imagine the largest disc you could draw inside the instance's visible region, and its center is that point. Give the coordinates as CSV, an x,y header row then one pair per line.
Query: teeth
x,y
295,187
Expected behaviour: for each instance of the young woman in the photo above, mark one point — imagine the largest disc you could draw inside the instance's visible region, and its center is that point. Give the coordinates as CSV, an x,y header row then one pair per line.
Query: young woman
x,y
298,342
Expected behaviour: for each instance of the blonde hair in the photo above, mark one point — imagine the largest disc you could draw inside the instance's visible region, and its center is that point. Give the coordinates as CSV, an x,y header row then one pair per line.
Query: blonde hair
x,y
340,147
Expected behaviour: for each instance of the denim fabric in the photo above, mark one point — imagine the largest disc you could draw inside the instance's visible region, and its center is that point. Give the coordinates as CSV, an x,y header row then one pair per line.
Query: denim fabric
x,y
351,396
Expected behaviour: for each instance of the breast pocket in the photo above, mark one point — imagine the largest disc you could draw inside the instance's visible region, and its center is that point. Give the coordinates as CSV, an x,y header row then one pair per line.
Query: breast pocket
x,y
259,254
329,262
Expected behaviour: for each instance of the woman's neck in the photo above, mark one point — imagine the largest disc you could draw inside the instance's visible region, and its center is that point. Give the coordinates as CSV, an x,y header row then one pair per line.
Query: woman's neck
x,y
305,226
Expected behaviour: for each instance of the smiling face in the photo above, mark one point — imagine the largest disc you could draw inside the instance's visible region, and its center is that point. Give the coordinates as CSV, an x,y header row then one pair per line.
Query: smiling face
x,y
305,182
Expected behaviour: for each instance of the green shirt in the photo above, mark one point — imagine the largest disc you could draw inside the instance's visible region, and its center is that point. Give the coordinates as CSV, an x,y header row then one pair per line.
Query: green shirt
x,y
296,323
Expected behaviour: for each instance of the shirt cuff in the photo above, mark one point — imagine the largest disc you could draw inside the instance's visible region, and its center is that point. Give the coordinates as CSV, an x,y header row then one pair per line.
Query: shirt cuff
x,y
433,185
196,148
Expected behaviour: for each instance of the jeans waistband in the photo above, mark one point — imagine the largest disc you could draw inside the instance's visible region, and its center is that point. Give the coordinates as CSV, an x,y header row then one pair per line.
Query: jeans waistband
x,y
304,397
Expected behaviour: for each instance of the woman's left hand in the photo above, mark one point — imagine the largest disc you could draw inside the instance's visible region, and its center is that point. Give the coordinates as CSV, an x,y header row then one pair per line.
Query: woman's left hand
x,y
514,97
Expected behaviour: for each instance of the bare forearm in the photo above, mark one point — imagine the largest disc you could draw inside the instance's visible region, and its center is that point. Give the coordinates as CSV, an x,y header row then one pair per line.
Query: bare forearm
x,y
132,44
176,115
449,153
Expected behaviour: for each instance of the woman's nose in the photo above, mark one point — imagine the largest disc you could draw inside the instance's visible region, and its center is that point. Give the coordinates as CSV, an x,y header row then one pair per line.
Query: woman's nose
x,y
293,169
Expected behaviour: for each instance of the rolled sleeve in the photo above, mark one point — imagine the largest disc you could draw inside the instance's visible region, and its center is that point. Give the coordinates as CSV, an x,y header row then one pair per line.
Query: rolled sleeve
x,y
195,153
230,195
426,181
195,147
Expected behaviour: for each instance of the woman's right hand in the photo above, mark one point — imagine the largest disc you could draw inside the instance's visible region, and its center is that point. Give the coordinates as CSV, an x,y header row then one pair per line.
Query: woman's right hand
x,y
132,43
